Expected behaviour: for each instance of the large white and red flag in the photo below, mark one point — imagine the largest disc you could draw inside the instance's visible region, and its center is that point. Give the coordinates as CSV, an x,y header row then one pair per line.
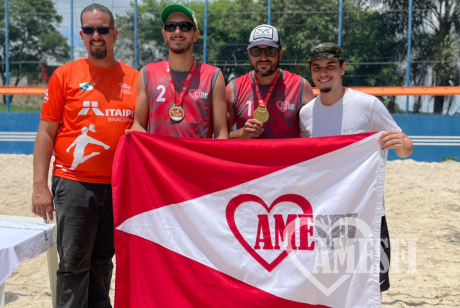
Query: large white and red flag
x,y
248,223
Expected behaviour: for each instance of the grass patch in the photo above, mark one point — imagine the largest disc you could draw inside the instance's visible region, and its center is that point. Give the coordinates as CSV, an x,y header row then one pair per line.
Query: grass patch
x,y
449,158
15,108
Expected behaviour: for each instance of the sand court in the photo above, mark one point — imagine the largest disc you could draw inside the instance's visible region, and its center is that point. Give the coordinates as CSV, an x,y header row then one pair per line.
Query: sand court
x,y
422,203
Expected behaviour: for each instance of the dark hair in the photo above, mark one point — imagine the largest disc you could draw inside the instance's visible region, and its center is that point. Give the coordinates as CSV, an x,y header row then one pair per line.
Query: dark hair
x,y
98,8
340,63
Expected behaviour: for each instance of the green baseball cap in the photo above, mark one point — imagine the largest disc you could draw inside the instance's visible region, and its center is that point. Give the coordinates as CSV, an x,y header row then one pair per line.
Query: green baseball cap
x,y
326,51
178,8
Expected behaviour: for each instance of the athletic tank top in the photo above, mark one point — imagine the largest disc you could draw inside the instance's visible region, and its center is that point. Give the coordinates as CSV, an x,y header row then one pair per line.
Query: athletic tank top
x,y
197,103
283,106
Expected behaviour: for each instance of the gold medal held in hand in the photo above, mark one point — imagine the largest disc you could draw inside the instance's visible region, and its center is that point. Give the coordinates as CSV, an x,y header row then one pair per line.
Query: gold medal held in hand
x,y
261,114
176,113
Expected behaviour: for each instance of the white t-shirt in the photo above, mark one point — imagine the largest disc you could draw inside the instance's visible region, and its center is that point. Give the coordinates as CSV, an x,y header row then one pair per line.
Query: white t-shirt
x,y
355,113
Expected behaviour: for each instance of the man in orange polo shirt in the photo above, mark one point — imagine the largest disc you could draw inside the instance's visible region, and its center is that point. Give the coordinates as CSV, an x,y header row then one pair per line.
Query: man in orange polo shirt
x,y
88,105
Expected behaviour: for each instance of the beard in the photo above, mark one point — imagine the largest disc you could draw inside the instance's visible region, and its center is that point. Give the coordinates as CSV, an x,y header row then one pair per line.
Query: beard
x,y
98,53
325,90
269,71
179,50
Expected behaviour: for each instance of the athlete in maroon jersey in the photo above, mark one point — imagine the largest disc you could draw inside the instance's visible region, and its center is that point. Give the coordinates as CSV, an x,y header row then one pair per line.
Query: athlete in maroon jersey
x,y
179,96
265,103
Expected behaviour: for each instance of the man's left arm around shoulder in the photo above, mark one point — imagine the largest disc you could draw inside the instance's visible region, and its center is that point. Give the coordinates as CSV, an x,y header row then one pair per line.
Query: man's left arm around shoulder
x,y
398,141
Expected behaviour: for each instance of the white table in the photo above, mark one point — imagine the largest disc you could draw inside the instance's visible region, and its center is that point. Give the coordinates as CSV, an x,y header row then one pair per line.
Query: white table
x,y
22,238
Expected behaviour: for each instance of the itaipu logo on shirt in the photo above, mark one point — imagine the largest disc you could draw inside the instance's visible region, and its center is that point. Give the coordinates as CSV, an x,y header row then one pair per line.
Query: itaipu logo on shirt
x,y
86,86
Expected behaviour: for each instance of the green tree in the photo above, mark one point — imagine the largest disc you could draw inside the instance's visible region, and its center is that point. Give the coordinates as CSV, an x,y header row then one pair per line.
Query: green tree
x,y
33,37
370,47
444,50
435,43
373,53
151,46
229,25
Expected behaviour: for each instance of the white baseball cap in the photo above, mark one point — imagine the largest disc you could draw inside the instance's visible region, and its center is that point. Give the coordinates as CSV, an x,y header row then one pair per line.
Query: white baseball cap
x,y
264,35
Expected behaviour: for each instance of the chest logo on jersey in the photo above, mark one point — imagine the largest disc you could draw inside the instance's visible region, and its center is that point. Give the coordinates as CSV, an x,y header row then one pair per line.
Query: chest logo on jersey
x,y
86,86
197,94
113,115
283,106
125,88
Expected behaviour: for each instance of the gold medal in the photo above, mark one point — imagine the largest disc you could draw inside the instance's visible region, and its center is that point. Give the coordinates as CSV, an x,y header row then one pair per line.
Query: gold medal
x,y
261,114
176,113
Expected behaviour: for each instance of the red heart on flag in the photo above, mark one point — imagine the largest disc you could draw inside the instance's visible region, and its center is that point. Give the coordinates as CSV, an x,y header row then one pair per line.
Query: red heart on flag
x,y
238,200
282,106
195,94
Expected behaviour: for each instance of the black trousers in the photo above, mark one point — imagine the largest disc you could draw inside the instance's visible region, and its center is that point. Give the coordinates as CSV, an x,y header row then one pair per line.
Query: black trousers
x,y
85,243
385,256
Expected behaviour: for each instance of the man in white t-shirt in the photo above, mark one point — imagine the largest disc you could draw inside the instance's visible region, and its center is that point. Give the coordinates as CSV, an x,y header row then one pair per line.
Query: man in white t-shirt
x,y
342,111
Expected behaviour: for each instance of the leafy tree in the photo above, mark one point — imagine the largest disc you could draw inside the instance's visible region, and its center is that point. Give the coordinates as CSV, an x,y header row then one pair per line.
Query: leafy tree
x,y
443,25
229,25
33,37
374,37
435,43
373,53
370,51
302,25
151,45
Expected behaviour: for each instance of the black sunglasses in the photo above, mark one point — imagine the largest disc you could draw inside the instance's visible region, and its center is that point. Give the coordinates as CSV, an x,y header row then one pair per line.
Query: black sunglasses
x,y
100,30
184,26
269,51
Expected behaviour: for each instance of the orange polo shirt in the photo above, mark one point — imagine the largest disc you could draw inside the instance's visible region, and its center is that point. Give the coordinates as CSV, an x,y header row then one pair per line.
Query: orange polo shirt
x,y
94,106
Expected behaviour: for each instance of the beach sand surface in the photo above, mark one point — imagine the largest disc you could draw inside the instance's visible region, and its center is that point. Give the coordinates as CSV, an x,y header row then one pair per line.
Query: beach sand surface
x,y
422,202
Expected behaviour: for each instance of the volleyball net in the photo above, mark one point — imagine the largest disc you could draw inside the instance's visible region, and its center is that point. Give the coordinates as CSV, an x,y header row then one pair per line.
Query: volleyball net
x,y
416,91
376,91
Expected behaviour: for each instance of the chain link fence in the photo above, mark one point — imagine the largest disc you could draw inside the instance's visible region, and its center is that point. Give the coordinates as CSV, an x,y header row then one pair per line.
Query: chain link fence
x,y
374,35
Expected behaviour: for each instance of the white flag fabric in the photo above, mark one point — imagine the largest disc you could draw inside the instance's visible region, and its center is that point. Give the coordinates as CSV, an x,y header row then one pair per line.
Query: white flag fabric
x,y
301,233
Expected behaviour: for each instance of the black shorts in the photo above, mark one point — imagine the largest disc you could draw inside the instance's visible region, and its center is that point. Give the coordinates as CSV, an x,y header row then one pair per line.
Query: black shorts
x,y
384,256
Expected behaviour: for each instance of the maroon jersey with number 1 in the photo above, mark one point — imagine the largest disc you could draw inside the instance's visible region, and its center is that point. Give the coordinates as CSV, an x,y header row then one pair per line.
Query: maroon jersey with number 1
x,y
283,106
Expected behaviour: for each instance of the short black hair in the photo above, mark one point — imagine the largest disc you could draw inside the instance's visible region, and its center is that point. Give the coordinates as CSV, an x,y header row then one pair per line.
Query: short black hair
x,y
98,8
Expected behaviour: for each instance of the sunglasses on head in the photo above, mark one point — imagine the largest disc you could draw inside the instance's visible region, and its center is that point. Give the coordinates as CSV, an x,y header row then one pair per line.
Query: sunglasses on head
x,y
100,30
184,26
269,51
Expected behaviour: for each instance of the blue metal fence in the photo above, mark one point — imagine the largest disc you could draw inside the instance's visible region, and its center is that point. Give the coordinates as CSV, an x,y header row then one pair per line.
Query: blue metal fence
x,y
205,31
357,25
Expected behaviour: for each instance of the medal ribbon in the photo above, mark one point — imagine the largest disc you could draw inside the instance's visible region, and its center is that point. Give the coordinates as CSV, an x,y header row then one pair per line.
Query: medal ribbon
x,y
263,102
178,100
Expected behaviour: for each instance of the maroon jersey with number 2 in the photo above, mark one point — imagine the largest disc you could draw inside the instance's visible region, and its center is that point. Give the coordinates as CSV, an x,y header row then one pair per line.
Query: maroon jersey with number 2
x,y
197,102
